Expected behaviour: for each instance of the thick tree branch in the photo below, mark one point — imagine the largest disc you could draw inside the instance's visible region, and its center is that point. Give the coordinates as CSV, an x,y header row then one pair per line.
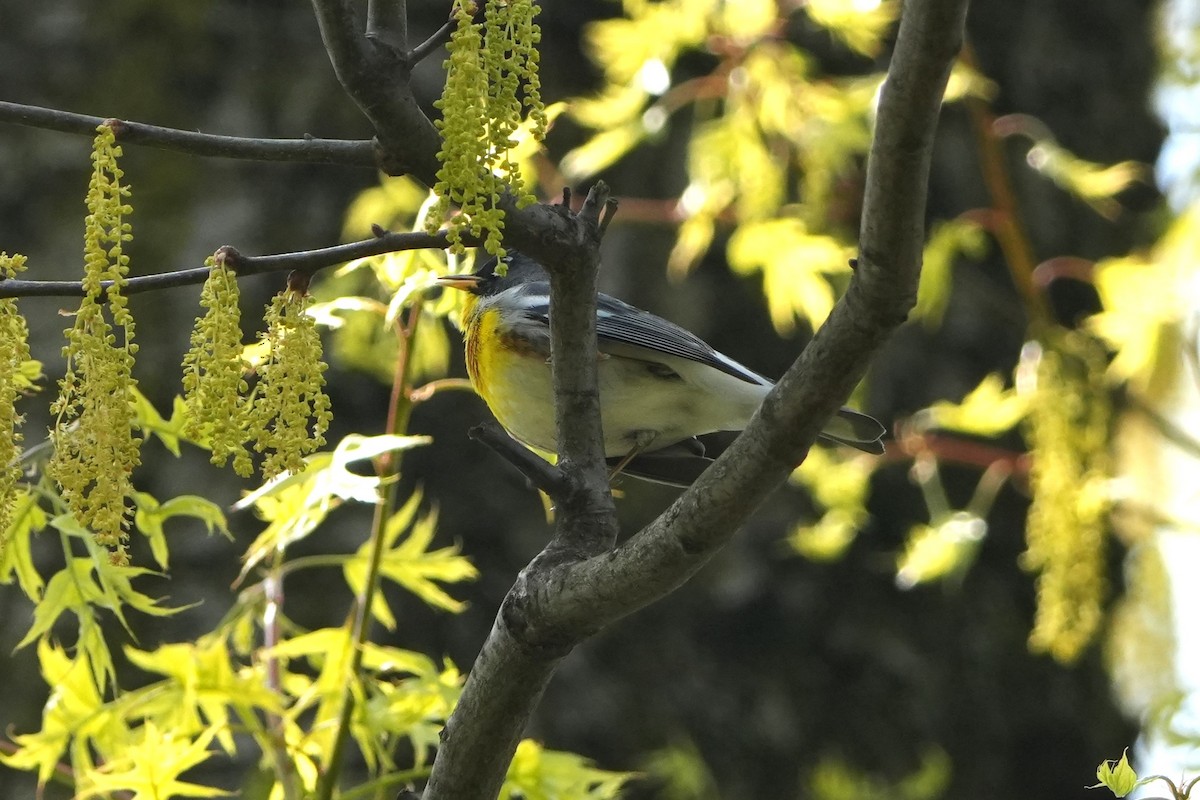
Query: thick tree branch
x,y
576,388
883,290
387,23
376,76
548,233
519,656
307,261
504,686
311,151
558,601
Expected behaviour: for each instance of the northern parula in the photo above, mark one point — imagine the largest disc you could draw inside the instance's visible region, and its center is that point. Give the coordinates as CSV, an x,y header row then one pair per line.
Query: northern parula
x,y
660,386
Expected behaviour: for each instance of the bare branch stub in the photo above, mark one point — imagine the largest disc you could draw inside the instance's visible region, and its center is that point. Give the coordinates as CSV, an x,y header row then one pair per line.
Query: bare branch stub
x,y
298,281
610,210
541,473
593,206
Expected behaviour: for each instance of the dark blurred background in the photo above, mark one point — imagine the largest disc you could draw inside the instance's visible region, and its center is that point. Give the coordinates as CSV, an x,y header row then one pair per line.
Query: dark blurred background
x,y
766,663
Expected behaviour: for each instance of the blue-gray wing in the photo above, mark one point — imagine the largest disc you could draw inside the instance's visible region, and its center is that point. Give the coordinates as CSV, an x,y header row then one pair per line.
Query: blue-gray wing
x,y
628,331
623,324
634,333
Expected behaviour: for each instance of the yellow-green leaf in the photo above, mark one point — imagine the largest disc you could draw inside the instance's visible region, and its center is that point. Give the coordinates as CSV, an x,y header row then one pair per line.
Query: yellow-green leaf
x,y
74,709
1144,305
989,410
151,515
408,561
828,538
16,556
694,238
149,768
966,81
947,240
392,204
1095,184
602,150
835,482
861,25
933,552
295,504
794,265
168,431
617,103
202,682
540,774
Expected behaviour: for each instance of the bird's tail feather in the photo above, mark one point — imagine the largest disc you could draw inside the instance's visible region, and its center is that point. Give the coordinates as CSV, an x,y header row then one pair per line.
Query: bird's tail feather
x,y
671,470
681,464
855,430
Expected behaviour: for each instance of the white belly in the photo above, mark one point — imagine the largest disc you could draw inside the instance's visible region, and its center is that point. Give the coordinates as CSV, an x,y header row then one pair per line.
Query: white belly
x,y
635,400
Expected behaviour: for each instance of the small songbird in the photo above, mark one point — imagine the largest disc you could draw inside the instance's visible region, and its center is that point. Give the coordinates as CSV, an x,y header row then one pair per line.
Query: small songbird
x,y
660,385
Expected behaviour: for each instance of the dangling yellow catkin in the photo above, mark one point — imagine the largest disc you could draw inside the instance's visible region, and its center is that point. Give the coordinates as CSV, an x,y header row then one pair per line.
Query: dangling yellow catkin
x,y
95,446
291,384
481,111
214,385
14,353
1066,532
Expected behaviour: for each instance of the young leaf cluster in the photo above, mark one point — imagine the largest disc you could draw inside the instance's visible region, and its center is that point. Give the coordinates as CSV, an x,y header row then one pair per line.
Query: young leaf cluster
x,y
774,139
280,685
1120,778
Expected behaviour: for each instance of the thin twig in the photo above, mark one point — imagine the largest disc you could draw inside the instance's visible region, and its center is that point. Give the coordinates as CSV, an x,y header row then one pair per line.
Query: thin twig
x,y
1009,232
377,79
430,45
307,150
1059,267
285,767
387,468
428,390
307,261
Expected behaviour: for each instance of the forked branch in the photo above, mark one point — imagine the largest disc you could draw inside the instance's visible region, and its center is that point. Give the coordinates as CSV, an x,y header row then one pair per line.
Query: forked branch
x,y
558,601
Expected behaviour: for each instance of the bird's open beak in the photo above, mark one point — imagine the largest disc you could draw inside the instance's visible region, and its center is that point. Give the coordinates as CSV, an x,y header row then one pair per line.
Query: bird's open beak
x,y
467,283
